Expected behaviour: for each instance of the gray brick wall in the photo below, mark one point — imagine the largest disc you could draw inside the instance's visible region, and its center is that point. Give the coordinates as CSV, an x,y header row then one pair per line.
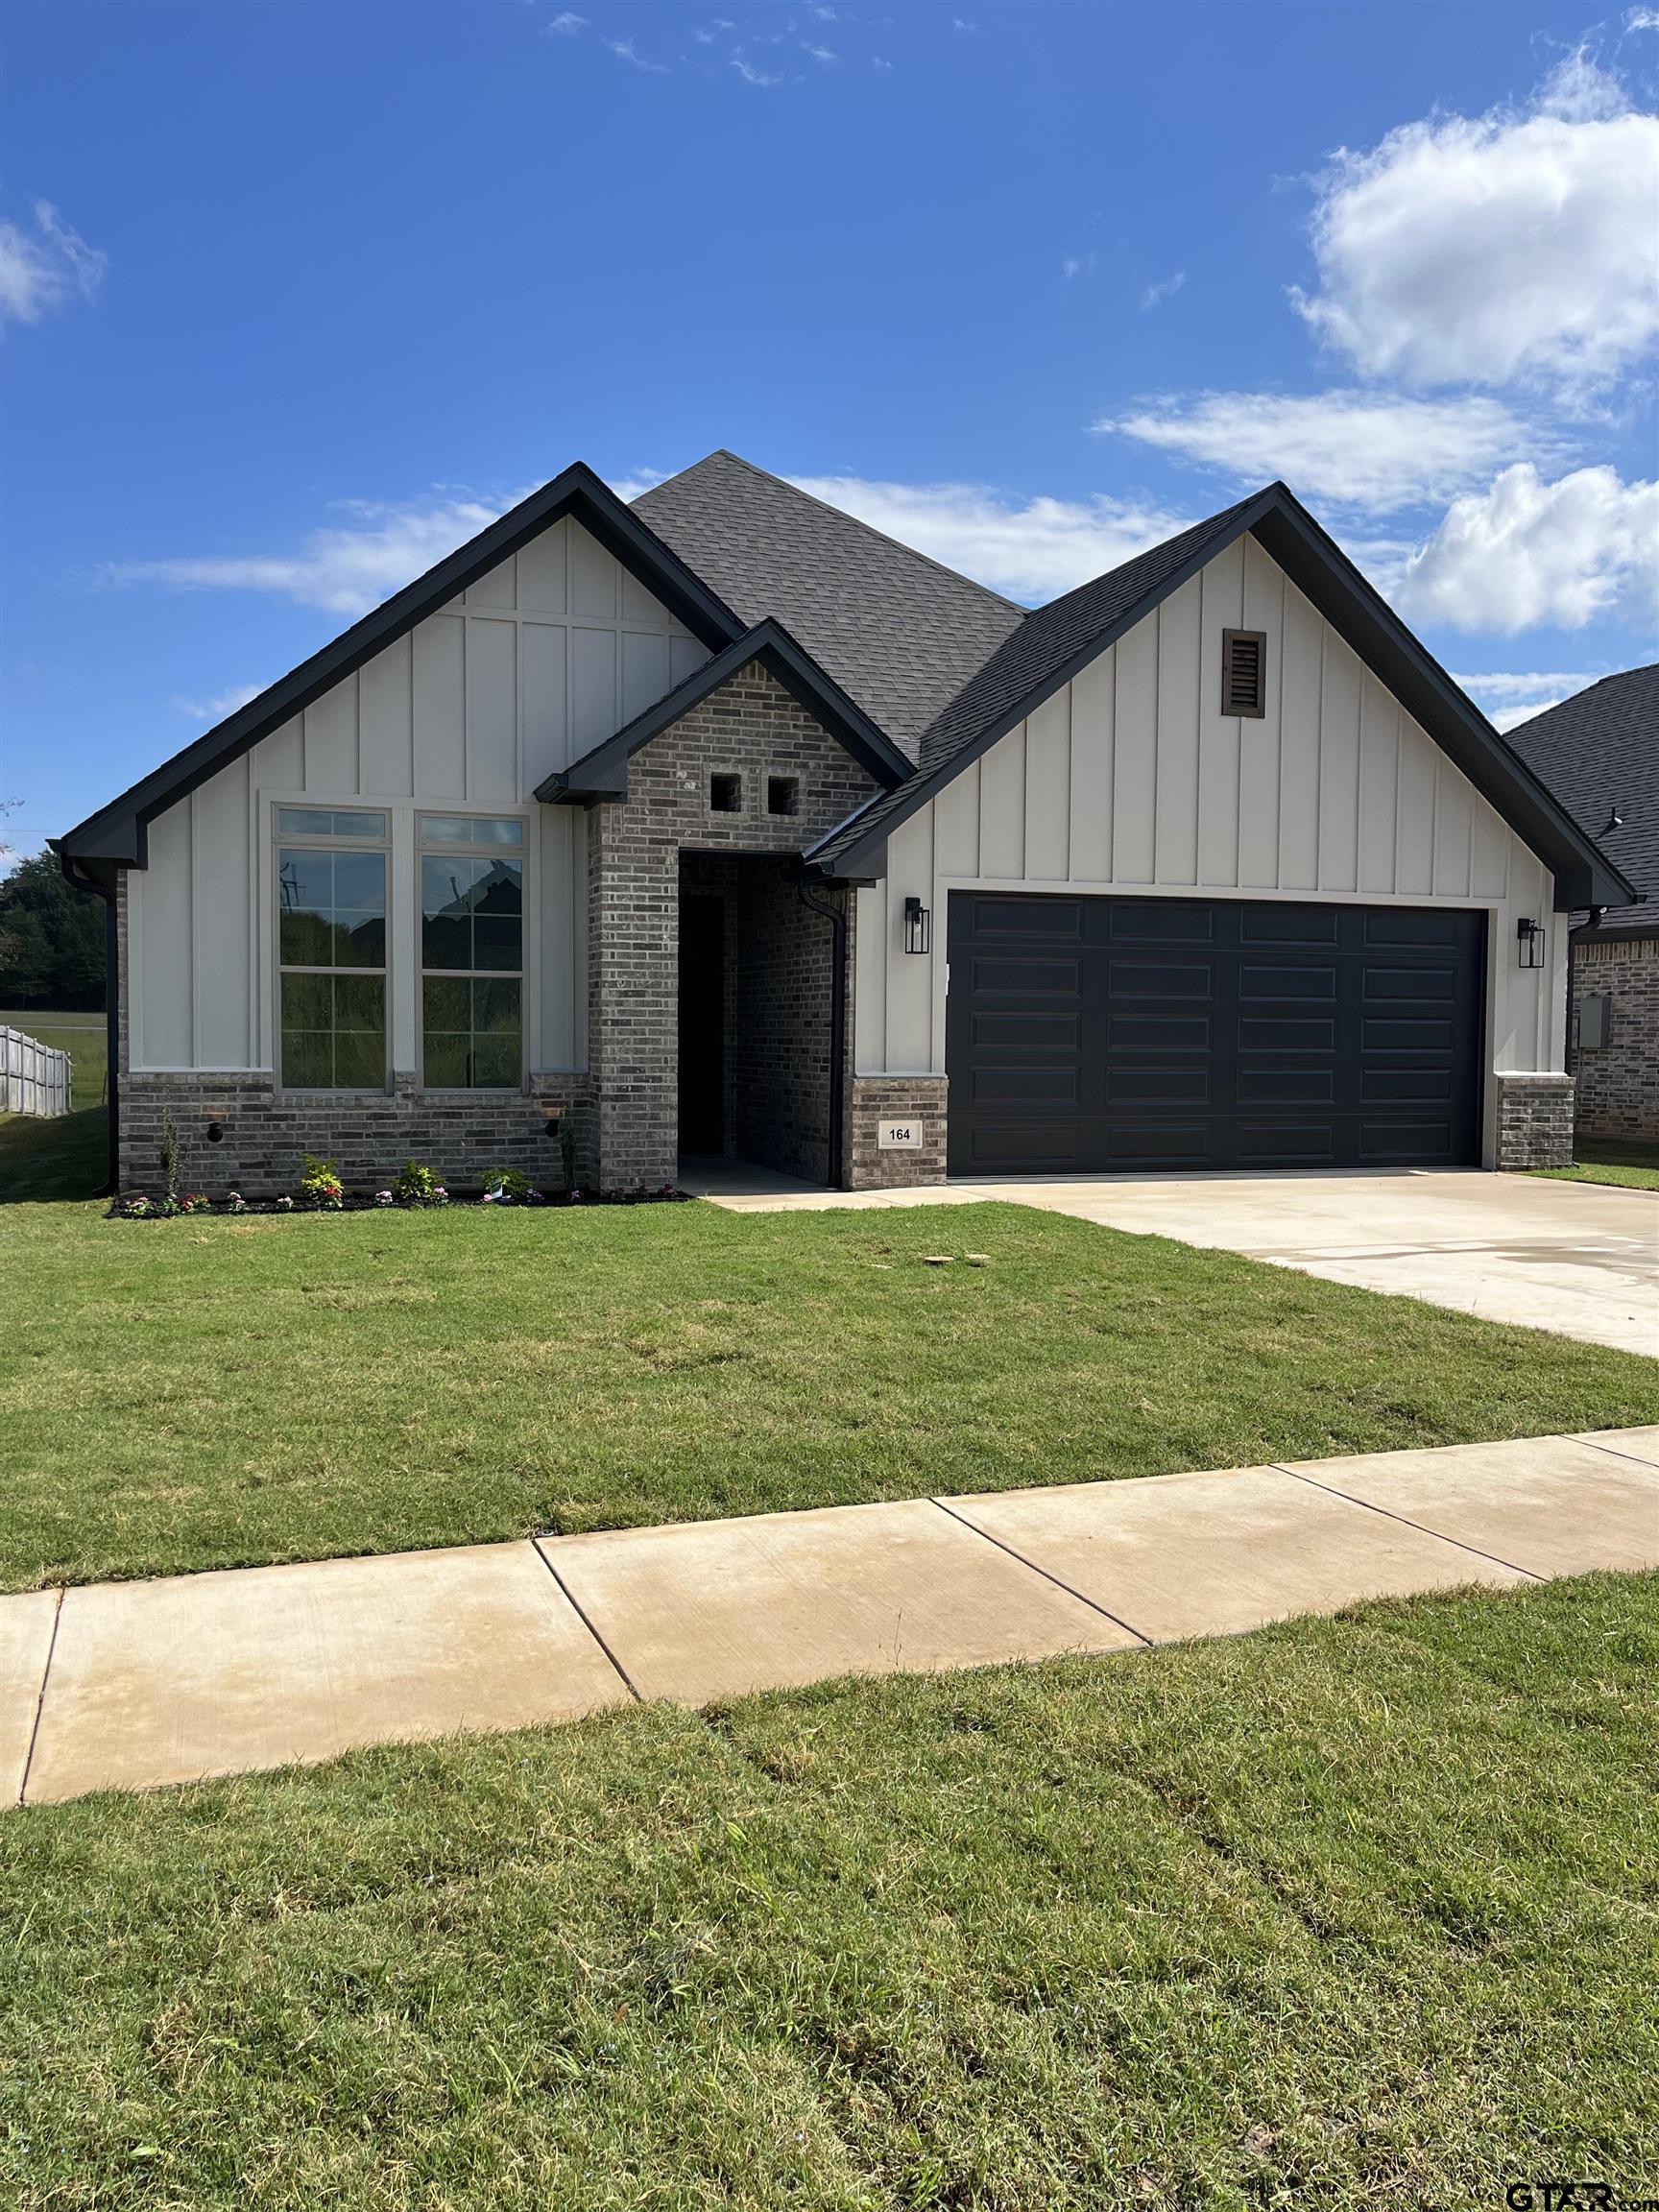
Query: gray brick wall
x,y
779,1054
1618,1082
879,1099
750,728
1534,1121
264,1131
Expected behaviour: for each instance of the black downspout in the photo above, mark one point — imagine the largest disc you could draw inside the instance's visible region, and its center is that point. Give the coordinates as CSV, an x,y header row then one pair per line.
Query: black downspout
x,y
113,1033
837,921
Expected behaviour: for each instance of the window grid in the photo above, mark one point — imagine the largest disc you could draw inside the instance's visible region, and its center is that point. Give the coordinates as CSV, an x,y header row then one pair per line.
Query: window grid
x,y
331,954
471,879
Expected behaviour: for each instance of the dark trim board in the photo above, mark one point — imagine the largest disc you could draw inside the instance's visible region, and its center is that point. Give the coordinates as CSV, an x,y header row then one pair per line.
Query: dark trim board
x,y
1095,1034
115,836
1322,571
603,773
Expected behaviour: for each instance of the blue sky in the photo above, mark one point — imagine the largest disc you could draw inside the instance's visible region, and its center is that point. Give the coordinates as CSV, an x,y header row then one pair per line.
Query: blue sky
x,y
296,296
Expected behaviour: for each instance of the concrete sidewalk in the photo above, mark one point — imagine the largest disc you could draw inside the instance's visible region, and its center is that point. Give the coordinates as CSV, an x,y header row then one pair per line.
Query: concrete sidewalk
x,y
137,1684
1581,1259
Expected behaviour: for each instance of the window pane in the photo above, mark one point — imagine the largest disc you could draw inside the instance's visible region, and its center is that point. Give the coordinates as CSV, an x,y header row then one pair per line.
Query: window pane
x,y
448,1004
470,830
495,1063
360,940
445,1061
327,822
497,942
304,881
307,1060
446,889
307,1003
306,940
495,1009
360,881
359,1060
359,1003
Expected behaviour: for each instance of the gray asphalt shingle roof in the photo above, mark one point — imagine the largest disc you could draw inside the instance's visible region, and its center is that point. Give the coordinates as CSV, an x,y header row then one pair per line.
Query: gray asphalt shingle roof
x,y
1599,753
898,631
1046,642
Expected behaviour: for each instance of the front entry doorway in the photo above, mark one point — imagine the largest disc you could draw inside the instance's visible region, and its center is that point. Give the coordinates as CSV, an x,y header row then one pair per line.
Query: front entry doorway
x,y
701,1023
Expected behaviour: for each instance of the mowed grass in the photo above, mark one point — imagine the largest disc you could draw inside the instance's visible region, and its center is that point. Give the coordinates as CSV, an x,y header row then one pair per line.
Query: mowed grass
x,y
212,1392
1607,1160
1344,1914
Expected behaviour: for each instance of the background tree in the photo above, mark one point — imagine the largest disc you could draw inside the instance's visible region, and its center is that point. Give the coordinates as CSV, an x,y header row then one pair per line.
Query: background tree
x,y
51,939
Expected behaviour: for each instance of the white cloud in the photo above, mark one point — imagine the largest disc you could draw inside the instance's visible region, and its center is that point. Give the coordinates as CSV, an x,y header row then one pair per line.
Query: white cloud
x,y
214,710
1031,550
46,267
1507,700
1525,551
1641,19
1166,288
751,75
566,25
1079,265
625,50
1359,448
824,53
345,570
1494,249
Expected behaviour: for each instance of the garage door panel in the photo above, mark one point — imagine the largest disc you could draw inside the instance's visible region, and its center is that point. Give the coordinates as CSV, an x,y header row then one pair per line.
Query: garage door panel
x,y
1167,1033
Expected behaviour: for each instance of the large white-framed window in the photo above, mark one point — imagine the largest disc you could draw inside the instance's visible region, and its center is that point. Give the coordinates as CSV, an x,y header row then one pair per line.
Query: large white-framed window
x,y
331,870
470,873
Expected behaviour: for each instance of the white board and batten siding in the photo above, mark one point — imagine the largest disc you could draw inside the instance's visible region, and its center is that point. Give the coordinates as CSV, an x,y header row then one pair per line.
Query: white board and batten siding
x,y
543,658
1130,778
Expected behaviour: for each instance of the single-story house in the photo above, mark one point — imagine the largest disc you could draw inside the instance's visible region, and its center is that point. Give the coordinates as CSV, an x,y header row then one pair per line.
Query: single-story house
x,y
719,823
1599,753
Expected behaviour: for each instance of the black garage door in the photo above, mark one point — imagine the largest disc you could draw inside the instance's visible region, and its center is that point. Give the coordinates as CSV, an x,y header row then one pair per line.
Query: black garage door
x,y
1120,1033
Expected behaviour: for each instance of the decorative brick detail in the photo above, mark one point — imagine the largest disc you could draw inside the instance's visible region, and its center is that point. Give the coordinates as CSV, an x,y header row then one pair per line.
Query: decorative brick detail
x,y
1618,1082
1534,1121
264,1132
879,1099
750,728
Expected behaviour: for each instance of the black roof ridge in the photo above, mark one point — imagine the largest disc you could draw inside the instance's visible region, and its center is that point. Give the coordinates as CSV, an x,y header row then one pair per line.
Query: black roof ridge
x,y
845,515
114,836
602,771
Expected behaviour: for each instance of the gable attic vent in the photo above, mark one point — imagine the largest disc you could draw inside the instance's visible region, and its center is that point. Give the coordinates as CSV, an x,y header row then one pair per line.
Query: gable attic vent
x,y
1244,672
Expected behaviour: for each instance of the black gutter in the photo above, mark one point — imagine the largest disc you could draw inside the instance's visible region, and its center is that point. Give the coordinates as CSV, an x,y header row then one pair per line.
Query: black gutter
x,y
837,916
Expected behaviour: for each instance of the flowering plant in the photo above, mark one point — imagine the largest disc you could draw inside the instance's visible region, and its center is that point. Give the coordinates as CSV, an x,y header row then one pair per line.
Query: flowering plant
x,y
194,1202
416,1186
237,1203
383,1198
285,1204
319,1183
134,1206
507,1187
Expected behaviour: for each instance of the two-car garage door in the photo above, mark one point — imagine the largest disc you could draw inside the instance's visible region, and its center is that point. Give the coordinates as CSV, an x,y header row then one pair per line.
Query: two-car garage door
x,y
1095,1033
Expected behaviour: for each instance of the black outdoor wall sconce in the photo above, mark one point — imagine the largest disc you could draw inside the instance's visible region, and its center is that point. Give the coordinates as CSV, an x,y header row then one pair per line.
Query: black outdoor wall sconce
x,y
1530,942
918,926
215,1132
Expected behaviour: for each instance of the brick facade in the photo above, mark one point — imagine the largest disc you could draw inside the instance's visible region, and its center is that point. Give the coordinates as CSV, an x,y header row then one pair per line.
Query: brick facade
x,y
879,1099
1534,1121
263,1132
1618,1082
753,730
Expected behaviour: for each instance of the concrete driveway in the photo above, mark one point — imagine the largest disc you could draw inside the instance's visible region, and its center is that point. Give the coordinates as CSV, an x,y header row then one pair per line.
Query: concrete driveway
x,y
1581,1259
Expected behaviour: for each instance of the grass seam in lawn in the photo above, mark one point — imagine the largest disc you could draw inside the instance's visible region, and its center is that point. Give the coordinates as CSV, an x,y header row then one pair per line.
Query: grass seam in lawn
x,y
1127,1625
1422,1527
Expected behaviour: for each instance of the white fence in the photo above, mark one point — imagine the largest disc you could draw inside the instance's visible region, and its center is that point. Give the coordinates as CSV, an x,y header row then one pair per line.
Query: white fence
x,y
34,1077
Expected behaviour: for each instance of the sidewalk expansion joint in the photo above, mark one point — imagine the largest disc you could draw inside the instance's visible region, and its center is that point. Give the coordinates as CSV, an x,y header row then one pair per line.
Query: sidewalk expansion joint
x,y
1116,1619
574,1604
1405,1521
1630,1458
41,1701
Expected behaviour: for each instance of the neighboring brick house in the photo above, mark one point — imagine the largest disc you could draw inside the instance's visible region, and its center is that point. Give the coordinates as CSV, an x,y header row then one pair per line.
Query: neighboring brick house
x,y
721,822
1599,753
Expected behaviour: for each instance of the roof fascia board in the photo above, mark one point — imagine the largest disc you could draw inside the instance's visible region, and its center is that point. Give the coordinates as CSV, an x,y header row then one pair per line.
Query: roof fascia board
x,y
116,832
1584,875
1318,567
935,780
603,773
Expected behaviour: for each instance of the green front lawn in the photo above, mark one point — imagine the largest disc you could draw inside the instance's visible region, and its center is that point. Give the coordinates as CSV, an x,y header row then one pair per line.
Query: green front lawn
x,y
208,1392
1605,1160
1344,1914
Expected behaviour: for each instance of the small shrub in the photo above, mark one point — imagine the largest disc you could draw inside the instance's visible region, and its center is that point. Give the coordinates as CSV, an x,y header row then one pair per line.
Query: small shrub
x,y
194,1202
320,1184
237,1203
416,1185
284,1204
134,1206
